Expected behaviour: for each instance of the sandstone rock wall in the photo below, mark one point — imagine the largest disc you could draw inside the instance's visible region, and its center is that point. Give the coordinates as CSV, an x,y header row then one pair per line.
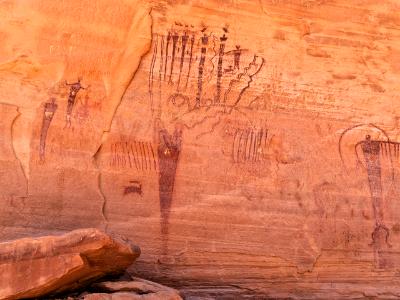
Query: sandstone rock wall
x,y
250,147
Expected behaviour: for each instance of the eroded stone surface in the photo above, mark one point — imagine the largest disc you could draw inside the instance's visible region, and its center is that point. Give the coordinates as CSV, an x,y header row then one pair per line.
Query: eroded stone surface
x,y
137,288
162,295
138,285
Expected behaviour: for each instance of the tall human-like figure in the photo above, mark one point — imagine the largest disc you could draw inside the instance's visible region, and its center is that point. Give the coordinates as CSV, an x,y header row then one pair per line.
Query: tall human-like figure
x,y
236,57
223,40
73,91
184,39
204,43
169,148
48,114
372,151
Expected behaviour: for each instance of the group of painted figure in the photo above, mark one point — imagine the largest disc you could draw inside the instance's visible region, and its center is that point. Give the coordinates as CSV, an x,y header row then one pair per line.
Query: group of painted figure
x,y
49,111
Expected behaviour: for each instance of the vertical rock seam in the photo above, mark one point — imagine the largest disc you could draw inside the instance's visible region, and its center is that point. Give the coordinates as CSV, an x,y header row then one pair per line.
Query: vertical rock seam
x,y
122,82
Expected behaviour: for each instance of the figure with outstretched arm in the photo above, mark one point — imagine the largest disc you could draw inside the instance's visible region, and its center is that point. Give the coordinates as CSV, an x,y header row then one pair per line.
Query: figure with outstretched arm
x,y
237,52
73,91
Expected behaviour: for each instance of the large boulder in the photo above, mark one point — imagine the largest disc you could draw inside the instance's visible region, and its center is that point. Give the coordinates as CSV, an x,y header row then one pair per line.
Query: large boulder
x,y
34,267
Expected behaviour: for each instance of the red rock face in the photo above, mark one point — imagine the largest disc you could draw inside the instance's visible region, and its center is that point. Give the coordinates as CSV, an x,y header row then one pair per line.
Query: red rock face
x,y
251,146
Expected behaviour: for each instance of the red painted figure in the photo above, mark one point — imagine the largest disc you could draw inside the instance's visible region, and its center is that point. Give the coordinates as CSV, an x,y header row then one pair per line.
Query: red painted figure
x,y
372,149
48,114
73,91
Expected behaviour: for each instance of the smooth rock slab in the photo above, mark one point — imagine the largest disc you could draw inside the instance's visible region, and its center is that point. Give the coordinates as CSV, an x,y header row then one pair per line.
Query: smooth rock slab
x,y
34,267
138,288
138,285
163,295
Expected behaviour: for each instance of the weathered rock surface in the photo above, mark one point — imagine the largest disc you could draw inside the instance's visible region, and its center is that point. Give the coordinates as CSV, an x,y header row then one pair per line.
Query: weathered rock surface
x,y
133,296
34,267
252,147
137,285
137,289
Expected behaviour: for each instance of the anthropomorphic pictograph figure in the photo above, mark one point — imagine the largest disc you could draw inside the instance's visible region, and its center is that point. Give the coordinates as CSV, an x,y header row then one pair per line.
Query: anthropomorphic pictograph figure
x,y
73,91
48,114
169,148
369,153
223,40
237,52
372,150
222,79
192,92
190,60
184,39
175,38
204,43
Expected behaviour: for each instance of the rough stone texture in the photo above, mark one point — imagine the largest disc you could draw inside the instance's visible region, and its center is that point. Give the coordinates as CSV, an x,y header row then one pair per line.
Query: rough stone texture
x,y
267,169
136,289
137,285
32,268
132,296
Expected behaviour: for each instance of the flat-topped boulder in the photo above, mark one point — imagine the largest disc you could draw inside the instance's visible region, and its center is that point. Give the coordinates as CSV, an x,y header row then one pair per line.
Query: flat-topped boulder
x,y
35,267
134,289
137,288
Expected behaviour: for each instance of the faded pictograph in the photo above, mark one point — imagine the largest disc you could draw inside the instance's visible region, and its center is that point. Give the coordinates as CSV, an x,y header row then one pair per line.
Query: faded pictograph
x,y
204,44
196,77
334,214
221,54
74,89
249,145
134,187
202,75
85,110
133,154
374,154
48,114
81,114
237,52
